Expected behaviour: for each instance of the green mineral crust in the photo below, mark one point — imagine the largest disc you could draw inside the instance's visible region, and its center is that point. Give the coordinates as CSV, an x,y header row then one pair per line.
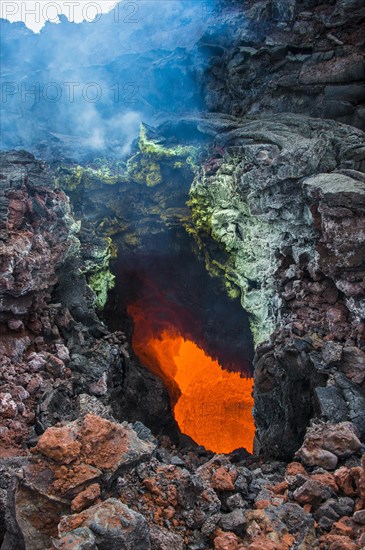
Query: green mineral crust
x,y
146,165
235,243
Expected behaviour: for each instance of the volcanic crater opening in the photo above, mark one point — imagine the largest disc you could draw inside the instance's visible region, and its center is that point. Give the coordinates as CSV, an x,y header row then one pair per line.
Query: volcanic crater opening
x,y
194,338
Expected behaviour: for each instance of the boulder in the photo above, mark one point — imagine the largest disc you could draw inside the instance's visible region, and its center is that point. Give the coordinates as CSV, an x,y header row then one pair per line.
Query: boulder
x,y
114,526
325,443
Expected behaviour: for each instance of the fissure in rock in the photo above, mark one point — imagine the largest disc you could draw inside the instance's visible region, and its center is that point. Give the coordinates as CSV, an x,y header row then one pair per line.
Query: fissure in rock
x,y
195,339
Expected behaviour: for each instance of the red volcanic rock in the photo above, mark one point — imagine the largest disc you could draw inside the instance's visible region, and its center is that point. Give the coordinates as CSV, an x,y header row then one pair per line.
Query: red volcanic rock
x,y
219,473
280,488
68,466
95,441
346,480
37,237
85,498
262,504
343,527
104,444
225,541
68,481
263,543
311,492
295,468
59,444
337,542
325,479
223,480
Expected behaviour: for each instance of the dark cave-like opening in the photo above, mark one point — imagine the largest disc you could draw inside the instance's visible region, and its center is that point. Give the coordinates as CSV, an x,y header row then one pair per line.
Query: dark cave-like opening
x,y
185,330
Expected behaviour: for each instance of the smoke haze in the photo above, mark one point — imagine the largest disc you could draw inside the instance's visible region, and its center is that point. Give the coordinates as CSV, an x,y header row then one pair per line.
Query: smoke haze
x,y
85,88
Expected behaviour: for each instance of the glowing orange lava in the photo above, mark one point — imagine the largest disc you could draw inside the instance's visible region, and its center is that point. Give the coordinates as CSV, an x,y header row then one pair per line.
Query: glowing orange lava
x,y
212,406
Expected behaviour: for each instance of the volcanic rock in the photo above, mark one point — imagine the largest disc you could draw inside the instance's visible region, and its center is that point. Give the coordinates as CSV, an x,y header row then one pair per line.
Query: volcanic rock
x,y
85,498
226,541
69,463
325,443
79,539
113,525
164,539
234,521
312,492
277,210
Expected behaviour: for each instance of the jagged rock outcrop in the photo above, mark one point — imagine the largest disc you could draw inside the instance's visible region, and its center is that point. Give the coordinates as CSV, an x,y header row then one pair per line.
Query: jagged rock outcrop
x,y
280,56
283,196
53,346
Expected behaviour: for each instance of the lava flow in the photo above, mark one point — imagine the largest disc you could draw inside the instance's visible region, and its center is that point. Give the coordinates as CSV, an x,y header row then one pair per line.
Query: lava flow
x,y
211,405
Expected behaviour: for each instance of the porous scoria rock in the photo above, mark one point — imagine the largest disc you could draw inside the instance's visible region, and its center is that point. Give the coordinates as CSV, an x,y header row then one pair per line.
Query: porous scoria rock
x,y
37,234
86,498
163,539
114,526
69,465
219,473
279,527
226,541
325,443
47,324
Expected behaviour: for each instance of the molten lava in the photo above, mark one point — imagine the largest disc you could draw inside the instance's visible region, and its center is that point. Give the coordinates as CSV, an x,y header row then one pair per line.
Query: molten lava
x,y
211,405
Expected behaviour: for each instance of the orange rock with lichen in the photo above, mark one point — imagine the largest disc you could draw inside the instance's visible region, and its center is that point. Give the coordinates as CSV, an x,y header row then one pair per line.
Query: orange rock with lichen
x,y
86,498
69,480
59,444
105,449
